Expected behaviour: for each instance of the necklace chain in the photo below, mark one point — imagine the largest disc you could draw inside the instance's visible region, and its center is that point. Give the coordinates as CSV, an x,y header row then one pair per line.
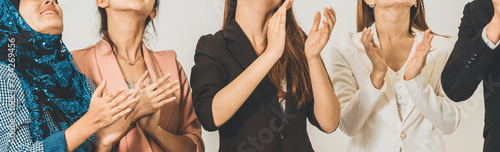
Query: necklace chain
x,y
129,63
125,59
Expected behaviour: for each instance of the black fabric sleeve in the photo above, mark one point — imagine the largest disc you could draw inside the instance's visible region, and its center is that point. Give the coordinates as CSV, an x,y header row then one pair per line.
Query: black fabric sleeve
x,y
471,58
207,79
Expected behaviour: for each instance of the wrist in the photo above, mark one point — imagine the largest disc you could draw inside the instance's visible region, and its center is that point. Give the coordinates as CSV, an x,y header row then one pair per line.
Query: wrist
x,y
151,131
313,57
134,117
155,133
493,29
377,78
272,54
102,147
90,125
409,77
378,74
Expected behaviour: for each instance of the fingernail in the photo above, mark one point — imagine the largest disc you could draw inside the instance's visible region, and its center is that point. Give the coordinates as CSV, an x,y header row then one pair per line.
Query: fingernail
x,y
122,88
131,91
133,100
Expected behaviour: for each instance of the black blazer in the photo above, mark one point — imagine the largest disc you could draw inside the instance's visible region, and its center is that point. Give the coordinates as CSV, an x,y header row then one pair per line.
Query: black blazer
x,y
259,124
473,61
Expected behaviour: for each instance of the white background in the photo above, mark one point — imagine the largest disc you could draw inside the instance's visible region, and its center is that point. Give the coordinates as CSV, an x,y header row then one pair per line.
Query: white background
x,y
180,24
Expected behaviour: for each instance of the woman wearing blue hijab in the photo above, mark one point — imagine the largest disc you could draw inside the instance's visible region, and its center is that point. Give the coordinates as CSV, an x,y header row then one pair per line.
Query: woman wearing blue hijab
x,y
46,104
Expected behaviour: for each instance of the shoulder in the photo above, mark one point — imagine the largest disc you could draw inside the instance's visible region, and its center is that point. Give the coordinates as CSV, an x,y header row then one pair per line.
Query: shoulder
x,y
8,74
165,53
348,43
441,47
5,70
86,60
167,58
479,11
442,40
210,42
85,55
480,3
85,51
9,78
442,43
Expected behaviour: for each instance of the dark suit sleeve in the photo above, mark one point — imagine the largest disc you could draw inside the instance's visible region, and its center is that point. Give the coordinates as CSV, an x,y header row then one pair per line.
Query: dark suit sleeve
x,y
207,79
471,58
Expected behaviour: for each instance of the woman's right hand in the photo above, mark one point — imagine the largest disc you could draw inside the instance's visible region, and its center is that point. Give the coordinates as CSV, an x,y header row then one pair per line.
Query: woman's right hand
x,y
377,57
154,96
105,109
276,30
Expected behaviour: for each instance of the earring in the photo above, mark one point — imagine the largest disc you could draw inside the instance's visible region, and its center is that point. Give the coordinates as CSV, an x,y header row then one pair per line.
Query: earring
x,y
372,4
415,5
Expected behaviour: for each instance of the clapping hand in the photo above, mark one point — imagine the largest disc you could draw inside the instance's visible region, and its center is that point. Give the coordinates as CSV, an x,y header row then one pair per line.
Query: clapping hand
x,y
417,61
318,37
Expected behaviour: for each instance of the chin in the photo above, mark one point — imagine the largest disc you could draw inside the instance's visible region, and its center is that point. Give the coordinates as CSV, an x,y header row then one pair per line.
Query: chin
x,y
57,31
54,29
133,6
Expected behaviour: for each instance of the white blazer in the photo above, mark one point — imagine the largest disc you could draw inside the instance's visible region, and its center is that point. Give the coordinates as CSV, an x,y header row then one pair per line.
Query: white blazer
x,y
371,117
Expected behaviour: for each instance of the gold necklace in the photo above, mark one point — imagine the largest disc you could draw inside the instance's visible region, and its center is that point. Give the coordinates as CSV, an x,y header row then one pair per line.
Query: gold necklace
x,y
129,63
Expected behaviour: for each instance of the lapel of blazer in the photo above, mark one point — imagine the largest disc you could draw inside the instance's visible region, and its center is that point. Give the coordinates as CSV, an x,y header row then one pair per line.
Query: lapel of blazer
x,y
108,66
158,66
243,52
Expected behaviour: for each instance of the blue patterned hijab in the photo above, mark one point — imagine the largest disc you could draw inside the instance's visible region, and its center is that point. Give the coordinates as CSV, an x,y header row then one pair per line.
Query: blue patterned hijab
x,y
56,93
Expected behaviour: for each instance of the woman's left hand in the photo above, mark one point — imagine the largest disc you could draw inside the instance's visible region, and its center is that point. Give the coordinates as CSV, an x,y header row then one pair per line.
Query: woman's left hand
x,y
318,38
106,137
149,124
417,61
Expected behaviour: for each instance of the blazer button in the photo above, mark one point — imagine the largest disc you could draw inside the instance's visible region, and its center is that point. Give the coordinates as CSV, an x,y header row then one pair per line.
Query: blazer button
x,y
403,135
282,136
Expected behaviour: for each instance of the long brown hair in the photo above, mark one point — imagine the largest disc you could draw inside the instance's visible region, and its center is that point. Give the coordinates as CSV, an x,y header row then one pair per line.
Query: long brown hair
x,y
366,18
293,60
103,30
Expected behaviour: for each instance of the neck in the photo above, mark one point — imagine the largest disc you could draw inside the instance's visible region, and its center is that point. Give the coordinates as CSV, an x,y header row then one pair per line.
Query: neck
x,y
126,33
252,18
392,23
